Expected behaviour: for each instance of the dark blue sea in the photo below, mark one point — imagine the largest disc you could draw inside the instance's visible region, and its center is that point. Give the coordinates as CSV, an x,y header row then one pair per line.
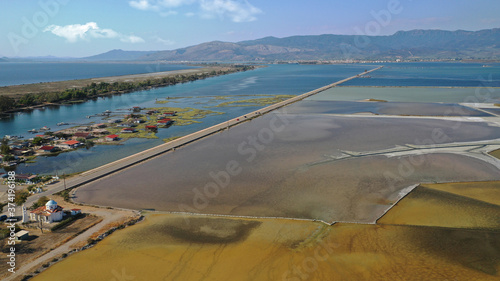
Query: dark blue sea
x,y
17,73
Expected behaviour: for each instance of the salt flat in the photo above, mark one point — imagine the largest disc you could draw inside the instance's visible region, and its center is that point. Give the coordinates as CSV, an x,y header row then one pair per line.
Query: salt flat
x,y
267,167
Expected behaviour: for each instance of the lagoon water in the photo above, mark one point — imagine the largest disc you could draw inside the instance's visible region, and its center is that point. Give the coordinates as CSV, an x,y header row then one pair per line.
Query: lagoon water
x,y
271,80
17,73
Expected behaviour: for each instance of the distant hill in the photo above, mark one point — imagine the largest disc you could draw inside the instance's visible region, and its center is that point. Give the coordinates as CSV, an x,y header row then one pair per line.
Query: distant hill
x,y
118,55
415,44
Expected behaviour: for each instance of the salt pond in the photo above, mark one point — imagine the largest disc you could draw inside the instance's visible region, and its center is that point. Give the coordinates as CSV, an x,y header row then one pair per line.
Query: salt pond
x,y
262,168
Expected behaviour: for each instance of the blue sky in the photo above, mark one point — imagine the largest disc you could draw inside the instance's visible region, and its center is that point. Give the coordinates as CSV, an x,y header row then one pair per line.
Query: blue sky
x,y
83,28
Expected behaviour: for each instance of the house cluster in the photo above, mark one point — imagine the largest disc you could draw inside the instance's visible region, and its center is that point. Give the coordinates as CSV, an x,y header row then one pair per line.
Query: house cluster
x,y
72,138
22,178
164,120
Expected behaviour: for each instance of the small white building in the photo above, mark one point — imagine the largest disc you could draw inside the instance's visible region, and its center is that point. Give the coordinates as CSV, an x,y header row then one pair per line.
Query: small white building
x,y
49,213
22,235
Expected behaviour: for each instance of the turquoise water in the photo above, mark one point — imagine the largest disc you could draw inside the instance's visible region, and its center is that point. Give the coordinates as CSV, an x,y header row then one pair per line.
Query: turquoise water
x,y
433,74
17,73
271,80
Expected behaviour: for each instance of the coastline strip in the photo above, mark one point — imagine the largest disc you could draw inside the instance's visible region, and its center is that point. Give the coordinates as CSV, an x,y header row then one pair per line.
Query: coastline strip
x,y
16,91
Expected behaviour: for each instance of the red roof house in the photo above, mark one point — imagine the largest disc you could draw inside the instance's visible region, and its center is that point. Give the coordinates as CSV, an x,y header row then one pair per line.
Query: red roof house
x,y
71,144
48,148
83,135
111,137
128,130
165,122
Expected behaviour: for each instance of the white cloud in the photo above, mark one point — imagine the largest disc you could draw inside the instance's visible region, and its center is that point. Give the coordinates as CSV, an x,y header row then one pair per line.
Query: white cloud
x,y
158,5
71,32
168,13
75,32
131,39
164,41
144,5
175,3
235,10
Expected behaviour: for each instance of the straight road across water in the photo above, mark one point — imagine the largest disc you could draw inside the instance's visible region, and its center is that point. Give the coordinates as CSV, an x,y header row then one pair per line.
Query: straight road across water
x,y
99,172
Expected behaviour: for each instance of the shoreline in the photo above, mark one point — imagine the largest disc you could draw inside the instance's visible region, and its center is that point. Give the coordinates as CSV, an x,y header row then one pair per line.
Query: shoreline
x,y
40,87
55,92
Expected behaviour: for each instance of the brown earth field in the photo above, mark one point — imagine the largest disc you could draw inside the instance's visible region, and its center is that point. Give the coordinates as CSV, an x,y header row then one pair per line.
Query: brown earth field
x,y
292,171
39,243
178,247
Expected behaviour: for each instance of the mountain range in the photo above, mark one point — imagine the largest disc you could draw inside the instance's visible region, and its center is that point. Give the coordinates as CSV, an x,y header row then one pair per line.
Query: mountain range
x,y
415,44
406,45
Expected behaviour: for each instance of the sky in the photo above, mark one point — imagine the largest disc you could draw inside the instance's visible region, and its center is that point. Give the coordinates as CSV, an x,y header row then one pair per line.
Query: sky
x,y
75,28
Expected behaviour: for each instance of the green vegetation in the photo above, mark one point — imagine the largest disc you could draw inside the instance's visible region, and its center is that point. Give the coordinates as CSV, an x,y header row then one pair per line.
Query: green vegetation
x,y
256,101
37,140
170,139
94,90
21,197
5,232
8,158
66,222
4,146
88,144
6,103
184,116
41,202
64,194
170,99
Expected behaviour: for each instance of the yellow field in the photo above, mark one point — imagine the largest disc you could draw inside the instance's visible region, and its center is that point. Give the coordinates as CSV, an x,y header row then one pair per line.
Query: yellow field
x,y
496,153
165,247
487,191
432,205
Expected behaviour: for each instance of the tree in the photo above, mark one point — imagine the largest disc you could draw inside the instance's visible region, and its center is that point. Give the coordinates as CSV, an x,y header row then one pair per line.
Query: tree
x,y
27,99
21,197
41,202
37,140
8,158
6,103
4,146
89,144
